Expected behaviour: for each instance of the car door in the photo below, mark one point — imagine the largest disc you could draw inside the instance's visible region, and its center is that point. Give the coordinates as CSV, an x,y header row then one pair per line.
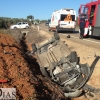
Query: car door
x,y
23,25
19,25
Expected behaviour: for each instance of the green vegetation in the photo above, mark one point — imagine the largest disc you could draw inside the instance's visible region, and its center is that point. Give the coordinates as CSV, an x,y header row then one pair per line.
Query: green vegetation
x,y
5,22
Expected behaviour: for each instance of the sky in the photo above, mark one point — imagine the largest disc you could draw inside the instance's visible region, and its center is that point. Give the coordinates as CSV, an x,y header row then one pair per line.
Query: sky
x,y
40,9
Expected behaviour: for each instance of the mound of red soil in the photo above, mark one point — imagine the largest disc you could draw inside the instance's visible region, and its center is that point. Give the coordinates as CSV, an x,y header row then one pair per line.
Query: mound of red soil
x,y
22,72
14,68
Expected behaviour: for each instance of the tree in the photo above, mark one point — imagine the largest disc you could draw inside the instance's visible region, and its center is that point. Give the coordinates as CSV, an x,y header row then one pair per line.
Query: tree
x,y
5,22
30,17
37,20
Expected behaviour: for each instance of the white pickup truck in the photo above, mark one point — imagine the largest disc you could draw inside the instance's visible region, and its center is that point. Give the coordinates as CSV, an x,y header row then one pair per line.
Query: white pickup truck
x,y
20,25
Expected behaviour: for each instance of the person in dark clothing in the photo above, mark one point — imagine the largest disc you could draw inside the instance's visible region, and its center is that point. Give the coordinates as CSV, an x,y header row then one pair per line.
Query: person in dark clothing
x,y
82,25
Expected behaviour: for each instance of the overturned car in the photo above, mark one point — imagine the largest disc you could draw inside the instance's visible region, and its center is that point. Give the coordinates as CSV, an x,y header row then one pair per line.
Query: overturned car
x,y
62,66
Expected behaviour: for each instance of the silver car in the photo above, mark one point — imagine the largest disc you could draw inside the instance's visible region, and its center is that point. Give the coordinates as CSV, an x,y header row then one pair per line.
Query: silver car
x,y
62,66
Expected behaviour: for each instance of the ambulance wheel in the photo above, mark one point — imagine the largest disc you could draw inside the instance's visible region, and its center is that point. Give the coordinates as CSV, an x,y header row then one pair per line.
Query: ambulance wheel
x,y
49,29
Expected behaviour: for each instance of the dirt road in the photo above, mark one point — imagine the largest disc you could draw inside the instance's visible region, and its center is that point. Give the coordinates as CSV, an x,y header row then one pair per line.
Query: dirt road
x,y
94,42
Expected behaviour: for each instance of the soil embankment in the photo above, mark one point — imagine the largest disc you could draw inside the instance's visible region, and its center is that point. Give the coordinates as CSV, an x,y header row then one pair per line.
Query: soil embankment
x,y
22,71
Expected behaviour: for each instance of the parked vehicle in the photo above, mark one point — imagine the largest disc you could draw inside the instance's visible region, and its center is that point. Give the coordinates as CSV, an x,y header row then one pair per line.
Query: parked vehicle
x,y
62,66
92,12
47,23
63,20
20,25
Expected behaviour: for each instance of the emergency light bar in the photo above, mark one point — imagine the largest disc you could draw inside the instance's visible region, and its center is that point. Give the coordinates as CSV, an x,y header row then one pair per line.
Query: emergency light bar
x,y
67,9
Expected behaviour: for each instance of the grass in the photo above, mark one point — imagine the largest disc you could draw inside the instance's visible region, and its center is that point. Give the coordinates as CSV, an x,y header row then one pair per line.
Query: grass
x,y
5,31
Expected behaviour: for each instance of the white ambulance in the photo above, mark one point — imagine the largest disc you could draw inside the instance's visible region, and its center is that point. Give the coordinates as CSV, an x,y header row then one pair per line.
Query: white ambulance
x,y
63,20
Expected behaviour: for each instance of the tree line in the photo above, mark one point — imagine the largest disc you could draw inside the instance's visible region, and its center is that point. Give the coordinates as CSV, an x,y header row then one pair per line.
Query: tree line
x,y
6,22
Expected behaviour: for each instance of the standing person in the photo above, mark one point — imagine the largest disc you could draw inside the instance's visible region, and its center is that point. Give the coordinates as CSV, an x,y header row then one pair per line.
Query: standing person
x,y
82,25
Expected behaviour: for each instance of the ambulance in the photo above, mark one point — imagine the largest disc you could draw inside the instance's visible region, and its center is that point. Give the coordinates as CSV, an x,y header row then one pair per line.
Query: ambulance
x,y
63,20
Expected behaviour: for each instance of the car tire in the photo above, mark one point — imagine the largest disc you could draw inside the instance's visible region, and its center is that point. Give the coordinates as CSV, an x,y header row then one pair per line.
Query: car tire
x,y
26,27
15,27
34,48
74,57
56,36
44,72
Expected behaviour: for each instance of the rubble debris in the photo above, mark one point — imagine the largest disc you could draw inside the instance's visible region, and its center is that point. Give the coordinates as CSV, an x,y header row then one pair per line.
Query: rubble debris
x,y
5,52
68,36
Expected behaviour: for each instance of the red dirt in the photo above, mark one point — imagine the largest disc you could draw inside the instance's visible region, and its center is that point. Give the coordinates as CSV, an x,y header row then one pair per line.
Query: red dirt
x,y
14,68
22,72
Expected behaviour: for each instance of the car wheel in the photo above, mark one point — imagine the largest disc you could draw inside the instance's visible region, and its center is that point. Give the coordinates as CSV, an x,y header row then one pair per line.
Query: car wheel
x,y
15,27
56,36
34,47
74,57
27,27
44,72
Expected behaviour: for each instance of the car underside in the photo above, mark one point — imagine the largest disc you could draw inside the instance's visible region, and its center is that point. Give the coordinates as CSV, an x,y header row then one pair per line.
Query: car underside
x,y
63,67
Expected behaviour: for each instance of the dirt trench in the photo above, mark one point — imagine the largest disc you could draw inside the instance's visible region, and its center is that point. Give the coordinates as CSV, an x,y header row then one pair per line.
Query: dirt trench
x,y
22,71
45,87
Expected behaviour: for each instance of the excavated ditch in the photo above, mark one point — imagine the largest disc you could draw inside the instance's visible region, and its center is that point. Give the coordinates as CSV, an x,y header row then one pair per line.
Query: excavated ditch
x,y
22,72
